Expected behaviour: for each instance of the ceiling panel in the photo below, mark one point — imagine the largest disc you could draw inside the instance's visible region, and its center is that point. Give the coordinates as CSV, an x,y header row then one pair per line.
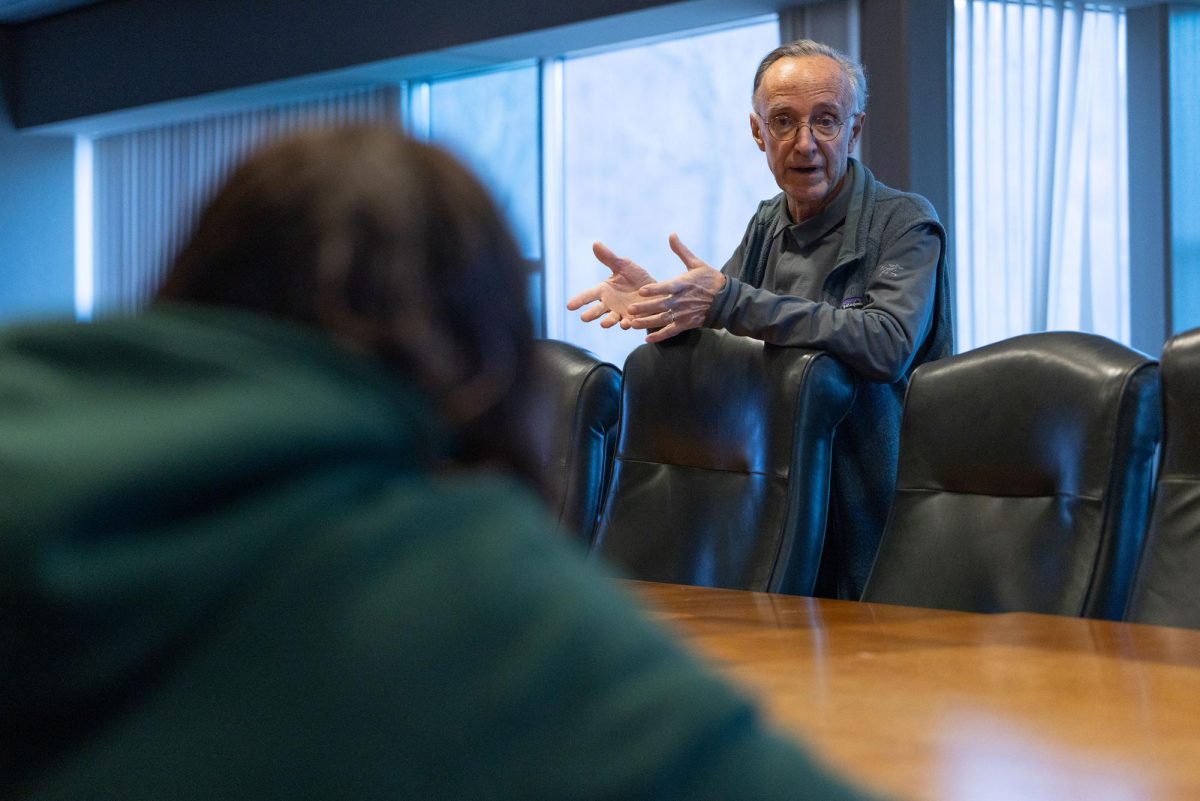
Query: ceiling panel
x,y
15,11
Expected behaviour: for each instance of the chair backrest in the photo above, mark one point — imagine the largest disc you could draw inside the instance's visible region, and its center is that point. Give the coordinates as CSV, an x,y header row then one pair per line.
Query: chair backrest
x,y
721,475
1024,479
578,401
1167,589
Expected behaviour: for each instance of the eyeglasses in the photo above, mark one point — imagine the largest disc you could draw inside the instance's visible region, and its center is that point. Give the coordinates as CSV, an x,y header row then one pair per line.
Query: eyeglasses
x,y
783,127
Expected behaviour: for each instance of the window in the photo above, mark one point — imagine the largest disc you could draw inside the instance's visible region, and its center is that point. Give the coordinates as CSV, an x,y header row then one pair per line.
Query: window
x,y
656,139
623,146
491,122
1184,209
1041,184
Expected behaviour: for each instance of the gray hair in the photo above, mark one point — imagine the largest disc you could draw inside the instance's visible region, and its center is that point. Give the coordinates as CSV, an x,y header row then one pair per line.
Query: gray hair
x,y
852,71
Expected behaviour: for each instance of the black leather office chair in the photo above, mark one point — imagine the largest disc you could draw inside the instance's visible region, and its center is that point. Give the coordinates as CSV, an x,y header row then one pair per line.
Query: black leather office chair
x,y
578,403
722,470
1024,479
1167,589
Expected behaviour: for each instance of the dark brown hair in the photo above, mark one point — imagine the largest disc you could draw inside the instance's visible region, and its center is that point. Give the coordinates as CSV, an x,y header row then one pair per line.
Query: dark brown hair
x,y
393,248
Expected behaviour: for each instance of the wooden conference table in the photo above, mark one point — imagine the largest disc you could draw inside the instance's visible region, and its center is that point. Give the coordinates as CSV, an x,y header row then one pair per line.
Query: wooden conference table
x,y
929,704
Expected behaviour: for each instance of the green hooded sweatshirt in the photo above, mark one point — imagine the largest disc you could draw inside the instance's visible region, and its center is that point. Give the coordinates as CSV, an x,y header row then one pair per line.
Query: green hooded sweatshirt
x,y
228,571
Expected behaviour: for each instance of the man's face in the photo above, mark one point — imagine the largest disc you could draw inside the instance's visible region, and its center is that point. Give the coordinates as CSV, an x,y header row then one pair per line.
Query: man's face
x,y
808,170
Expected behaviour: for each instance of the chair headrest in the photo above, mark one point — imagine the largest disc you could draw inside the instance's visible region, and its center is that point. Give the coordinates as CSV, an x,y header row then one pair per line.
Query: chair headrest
x,y
1031,415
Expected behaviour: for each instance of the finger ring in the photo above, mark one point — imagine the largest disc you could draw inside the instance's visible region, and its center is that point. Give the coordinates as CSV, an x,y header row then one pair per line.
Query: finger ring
x,y
671,314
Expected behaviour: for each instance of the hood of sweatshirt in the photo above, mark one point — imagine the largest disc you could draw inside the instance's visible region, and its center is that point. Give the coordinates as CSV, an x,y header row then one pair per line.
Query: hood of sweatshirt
x,y
146,466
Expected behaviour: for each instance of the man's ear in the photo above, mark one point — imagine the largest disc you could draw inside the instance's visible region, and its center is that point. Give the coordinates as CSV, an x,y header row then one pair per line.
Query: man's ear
x,y
756,132
856,128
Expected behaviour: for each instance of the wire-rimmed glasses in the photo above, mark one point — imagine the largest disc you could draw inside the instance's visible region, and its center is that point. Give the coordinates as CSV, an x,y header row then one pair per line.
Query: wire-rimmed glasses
x,y
783,127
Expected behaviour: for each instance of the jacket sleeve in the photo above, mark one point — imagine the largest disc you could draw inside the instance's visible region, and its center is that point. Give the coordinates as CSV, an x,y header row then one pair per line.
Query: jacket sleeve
x,y
877,340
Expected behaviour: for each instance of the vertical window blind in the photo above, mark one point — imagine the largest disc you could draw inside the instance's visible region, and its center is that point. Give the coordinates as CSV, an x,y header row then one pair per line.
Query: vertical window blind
x,y
149,186
1041,169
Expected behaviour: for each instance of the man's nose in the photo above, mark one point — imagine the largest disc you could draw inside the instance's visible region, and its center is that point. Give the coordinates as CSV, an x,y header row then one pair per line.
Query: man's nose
x,y
804,141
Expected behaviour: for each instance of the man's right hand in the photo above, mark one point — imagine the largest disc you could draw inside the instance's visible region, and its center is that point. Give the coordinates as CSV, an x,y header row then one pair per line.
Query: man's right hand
x,y
613,296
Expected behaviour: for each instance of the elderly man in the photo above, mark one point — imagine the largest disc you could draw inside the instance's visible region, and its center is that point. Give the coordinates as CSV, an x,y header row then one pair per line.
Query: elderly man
x,y
837,261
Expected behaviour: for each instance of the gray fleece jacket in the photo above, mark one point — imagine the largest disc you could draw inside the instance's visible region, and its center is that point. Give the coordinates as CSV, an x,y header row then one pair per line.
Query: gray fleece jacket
x,y
864,315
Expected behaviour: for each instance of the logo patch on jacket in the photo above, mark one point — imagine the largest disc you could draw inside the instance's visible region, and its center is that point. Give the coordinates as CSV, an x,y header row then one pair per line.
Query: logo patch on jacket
x,y
852,303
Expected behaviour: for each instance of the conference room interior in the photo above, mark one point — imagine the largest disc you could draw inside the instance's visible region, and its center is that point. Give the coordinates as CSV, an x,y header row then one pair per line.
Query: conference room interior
x,y
1051,663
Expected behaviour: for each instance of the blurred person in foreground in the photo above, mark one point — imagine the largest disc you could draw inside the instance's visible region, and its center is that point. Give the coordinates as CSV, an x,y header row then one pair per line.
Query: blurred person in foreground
x,y
837,261
276,537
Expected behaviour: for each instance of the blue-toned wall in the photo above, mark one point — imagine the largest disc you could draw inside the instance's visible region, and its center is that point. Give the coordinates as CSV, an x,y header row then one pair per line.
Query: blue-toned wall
x,y
37,222
37,254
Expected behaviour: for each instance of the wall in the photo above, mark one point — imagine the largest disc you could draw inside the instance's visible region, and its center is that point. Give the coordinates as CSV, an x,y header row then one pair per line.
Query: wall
x,y
906,51
1149,188
36,221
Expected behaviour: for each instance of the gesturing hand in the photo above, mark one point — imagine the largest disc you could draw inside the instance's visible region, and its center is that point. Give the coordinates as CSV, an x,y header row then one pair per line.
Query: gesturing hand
x,y
679,304
614,295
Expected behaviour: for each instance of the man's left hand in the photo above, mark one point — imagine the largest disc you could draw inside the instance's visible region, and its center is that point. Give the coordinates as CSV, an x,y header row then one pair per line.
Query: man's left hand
x,y
680,303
